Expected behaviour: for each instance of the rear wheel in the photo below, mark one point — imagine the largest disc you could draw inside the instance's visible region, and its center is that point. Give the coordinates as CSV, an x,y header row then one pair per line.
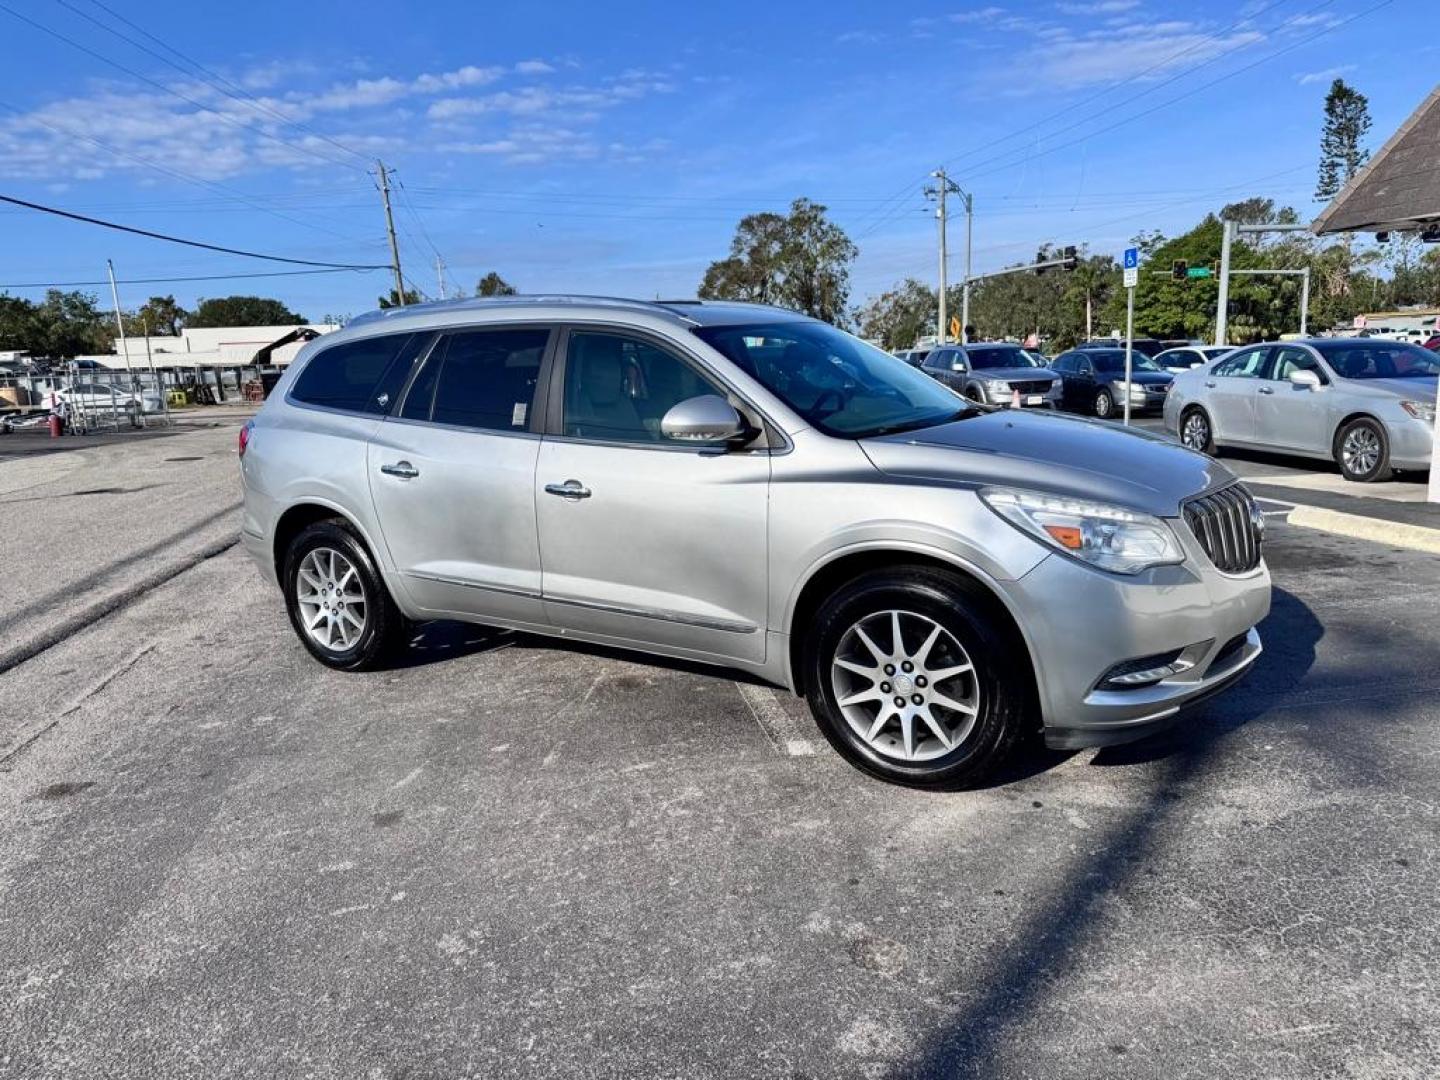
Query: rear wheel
x,y
1362,451
913,679
1104,404
336,600
1195,431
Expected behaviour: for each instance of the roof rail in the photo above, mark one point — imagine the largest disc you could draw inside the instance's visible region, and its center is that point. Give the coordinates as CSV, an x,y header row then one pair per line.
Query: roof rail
x,y
519,300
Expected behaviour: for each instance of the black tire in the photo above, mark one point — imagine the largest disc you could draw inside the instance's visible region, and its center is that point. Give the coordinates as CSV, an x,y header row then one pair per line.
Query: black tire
x,y
975,395
1104,404
384,628
1197,417
1003,683
1363,468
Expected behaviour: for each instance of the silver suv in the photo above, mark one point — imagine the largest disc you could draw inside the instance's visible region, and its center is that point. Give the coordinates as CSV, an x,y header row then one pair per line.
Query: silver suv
x,y
747,487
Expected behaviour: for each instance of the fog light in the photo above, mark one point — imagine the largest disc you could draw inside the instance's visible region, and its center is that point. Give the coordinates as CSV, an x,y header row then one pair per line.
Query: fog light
x,y
1145,671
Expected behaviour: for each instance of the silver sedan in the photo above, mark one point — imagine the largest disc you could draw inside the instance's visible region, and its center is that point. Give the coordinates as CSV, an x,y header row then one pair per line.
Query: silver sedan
x,y
1366,404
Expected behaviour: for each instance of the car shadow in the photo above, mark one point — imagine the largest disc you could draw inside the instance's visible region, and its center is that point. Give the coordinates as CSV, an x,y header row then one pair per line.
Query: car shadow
x,y
1057,929
1308,464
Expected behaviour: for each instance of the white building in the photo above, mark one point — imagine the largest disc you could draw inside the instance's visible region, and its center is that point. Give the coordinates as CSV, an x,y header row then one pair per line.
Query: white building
x,y
214,347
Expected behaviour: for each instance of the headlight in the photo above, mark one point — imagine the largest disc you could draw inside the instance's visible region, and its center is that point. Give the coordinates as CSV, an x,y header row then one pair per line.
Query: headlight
x,y
997,387
1421,410
1109,537
1137,390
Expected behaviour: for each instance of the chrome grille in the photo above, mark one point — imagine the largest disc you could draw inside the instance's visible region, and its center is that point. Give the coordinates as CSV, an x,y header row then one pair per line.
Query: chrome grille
x,y
1229,527
1031,386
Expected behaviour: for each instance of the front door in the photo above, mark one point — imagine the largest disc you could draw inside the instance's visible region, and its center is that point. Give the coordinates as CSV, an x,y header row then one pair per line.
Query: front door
x,y
1290,416
1232,387
452,474
642,538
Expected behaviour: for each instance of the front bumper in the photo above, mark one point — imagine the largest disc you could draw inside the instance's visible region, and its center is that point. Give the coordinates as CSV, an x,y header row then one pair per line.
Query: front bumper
x,y
1412,443
1080,622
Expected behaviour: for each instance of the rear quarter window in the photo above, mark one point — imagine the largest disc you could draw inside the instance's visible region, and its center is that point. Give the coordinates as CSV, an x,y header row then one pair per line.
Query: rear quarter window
x,y
358,376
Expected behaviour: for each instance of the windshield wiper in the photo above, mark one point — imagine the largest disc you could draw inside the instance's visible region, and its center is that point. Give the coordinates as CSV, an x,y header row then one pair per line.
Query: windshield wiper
x,y
915,425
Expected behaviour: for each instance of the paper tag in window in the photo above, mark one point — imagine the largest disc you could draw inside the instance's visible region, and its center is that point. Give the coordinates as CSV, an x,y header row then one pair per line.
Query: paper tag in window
x,y
517,414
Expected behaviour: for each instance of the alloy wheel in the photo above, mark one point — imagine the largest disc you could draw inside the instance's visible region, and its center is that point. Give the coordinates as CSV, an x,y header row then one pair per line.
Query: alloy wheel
x,y
1195,432
905,685
333,606
1360,451
1103,404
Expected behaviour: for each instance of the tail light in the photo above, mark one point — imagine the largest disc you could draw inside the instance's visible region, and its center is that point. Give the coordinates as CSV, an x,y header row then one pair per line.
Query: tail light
x,y
245,436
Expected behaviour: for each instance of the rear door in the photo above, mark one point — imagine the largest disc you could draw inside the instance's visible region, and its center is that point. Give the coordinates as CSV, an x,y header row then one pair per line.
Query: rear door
x,y
1292,416
452,475
1231,391
643,538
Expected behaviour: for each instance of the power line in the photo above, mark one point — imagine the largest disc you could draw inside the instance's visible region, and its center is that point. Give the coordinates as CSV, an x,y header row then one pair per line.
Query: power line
x,y
188,243
171,90
176,280
214,79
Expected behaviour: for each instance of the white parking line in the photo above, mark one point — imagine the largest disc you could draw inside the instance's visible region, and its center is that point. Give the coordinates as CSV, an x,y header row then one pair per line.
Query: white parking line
x,y
777,724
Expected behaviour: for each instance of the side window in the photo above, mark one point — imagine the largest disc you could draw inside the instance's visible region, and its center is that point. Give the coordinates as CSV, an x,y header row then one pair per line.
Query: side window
x,y
617,388
1291,359
480,379
939,360
1243,364
1063,363
360,376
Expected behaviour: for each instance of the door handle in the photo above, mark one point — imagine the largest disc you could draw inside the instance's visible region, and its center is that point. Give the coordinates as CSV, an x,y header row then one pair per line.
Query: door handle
x,y
402,469
1267,390
570,489
1211,385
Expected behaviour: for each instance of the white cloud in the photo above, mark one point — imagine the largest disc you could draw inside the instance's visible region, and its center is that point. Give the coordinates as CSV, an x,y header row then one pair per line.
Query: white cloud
x,y
1324,76
975,15
1101,56
1097,7
533,67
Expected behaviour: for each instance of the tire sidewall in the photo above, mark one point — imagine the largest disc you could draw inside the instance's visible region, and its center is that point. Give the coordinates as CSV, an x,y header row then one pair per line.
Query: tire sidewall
x,y
1382,463
1196,410
935,595
368,650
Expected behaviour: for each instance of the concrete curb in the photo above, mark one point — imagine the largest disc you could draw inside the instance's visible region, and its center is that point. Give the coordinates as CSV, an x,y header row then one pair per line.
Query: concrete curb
x,y
1378,530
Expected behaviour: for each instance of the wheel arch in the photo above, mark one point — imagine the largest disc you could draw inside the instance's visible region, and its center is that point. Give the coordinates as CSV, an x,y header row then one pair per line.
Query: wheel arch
x,y
301,515
846,566
1350,417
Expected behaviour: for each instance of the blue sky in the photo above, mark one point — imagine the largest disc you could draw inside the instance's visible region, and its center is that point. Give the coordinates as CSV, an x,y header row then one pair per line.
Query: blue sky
x,y
611,148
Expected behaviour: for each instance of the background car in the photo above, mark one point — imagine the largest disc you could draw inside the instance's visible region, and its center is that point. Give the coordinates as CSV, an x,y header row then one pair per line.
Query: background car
x,y
1147,345
1366,403
102,400
1093,381
915,357
1186,357
993,374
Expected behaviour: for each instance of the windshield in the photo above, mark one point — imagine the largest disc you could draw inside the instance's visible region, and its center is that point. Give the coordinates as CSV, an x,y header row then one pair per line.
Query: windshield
x,y
982,357
1114,360
1372,359
835,381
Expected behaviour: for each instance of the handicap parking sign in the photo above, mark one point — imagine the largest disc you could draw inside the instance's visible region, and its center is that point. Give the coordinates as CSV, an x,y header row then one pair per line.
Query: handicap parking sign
x,y
1132,258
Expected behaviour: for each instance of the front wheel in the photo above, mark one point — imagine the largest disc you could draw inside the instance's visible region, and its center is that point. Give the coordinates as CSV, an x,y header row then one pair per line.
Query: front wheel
x,y
1104,404
336,600
912,678
1195,431
1362,451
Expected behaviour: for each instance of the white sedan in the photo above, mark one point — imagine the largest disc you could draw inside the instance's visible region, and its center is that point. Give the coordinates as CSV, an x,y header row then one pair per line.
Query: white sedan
x,y
99,399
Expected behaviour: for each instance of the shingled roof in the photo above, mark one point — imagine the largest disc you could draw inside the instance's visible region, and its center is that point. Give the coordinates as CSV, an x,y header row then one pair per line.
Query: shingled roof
x,y
1400,187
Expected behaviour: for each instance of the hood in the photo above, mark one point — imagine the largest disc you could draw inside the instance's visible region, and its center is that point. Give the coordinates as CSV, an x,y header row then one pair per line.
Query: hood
x,y
1063,455
1145,378
1014,374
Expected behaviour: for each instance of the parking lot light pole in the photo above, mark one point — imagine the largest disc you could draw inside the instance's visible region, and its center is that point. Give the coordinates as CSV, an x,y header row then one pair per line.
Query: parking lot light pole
x,y
1129,346
1222,302
124,341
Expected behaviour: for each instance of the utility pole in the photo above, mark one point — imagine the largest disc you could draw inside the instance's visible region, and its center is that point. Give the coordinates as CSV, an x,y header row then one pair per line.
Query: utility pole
x,y
965,289
440,274
945,187
1222,302
120,325
390,228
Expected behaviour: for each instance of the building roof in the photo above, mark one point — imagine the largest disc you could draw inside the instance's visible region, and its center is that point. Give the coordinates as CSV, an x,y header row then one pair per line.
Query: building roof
x,y
1400,186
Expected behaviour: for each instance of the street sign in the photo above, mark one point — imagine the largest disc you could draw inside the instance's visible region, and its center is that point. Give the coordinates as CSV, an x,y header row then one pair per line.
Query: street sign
x,y
1132,276
1132,258
1198,272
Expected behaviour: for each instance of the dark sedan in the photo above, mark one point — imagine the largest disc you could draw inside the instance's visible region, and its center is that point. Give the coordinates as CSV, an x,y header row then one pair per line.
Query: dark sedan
x,y
1093,381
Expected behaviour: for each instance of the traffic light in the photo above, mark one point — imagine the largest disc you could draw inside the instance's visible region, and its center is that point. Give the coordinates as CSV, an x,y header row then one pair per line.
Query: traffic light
x,y
1179,269
1071,261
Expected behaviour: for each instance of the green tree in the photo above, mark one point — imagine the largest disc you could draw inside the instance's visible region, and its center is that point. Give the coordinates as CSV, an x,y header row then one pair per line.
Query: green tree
x,y
70,324
243,311
162,315
392,299
492,284
1049,303
1347,122
899,317
800,261
17,323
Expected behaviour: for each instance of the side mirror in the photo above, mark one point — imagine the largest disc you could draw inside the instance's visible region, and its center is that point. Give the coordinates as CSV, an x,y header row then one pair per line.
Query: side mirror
x,y
705,419
1304,377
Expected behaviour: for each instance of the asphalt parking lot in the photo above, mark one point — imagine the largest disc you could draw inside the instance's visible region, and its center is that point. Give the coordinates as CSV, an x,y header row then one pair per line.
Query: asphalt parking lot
x,y
508,858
